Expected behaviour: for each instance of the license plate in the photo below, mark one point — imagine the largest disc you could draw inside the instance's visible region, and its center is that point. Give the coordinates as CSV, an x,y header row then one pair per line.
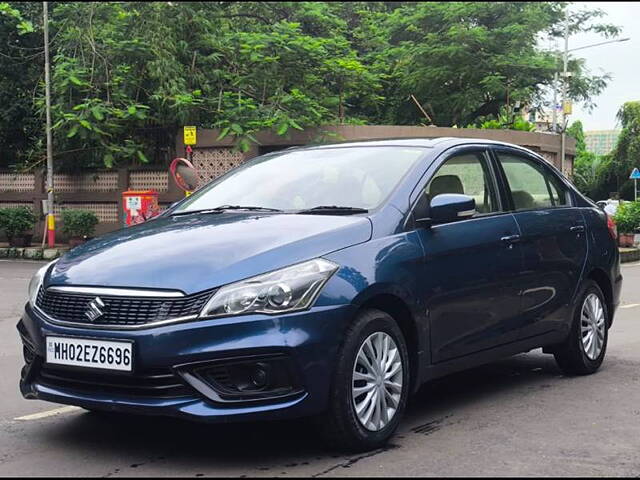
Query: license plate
x,y
84,352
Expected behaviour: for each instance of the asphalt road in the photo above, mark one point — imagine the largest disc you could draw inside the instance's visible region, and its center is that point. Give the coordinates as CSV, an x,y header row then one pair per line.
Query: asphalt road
x,y
516,417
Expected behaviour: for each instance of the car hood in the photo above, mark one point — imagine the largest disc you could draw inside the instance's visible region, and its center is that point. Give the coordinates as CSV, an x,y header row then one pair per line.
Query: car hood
x,y
196,252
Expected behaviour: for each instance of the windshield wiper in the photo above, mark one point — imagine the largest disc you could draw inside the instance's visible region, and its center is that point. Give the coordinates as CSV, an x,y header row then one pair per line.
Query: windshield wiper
x,y
243,207
333,209
222,208
192,212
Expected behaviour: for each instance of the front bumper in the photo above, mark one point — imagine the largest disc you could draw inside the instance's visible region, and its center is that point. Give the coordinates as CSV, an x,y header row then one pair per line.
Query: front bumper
x,y
309,340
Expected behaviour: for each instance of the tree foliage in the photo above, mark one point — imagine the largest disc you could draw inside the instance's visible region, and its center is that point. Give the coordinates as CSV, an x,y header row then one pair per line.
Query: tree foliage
x,y
626,155
590,170
507,119
597,176
127,75
627,217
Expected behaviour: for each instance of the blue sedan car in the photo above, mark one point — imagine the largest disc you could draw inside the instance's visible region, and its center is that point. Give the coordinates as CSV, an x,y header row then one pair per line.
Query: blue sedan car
x,y
327,281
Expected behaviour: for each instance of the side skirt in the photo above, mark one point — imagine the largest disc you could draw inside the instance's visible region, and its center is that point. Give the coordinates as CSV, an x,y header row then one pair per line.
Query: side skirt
x,y
431,372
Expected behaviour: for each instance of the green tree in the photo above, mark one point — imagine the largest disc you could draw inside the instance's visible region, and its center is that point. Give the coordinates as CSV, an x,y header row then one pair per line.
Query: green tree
x,y
467,60
576,131
21,71
590,171
626,154
127,75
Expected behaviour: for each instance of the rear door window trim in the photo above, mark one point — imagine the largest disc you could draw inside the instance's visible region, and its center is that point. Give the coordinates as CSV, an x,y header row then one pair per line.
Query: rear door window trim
x,y
546,170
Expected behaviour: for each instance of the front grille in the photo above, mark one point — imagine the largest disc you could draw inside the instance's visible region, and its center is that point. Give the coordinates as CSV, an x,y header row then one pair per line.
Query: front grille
x,y
119,311
155,383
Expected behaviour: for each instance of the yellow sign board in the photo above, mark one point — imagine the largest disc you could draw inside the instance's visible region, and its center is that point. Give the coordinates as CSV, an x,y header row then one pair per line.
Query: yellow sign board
x,y
567,107
189,135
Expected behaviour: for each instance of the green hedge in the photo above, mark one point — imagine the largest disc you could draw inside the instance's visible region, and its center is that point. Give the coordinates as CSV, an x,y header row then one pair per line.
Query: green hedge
x,y
78,223
16,220
627,217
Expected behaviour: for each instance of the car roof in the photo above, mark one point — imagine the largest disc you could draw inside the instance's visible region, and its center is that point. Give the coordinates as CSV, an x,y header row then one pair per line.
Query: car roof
x,y
423,142
439,144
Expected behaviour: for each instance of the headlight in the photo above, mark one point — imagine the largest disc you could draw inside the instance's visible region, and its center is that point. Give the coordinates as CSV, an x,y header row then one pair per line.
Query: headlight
x,y
285,290
36,281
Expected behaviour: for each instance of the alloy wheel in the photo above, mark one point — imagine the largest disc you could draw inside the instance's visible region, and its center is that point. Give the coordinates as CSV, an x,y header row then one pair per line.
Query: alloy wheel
x,y
592,326
377,381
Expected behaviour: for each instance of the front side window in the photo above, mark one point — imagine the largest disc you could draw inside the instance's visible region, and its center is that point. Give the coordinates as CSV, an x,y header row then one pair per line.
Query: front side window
x,y
532,186
467,174
359,177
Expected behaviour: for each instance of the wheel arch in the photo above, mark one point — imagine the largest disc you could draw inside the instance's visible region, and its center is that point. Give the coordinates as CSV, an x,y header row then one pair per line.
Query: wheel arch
x,y
400,311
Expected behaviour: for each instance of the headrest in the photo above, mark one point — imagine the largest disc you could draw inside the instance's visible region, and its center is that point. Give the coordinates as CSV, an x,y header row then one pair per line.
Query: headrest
x,y
445,184
522,200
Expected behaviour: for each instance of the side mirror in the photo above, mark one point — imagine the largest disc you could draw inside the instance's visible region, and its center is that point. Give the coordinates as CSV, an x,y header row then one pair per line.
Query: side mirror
x,y
451,207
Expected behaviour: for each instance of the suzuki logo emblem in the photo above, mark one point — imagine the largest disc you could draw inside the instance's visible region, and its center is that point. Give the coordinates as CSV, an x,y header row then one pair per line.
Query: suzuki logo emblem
x,y
94,309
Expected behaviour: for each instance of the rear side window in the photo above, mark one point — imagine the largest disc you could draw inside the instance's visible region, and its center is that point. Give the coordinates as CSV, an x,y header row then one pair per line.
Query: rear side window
x,y
532,186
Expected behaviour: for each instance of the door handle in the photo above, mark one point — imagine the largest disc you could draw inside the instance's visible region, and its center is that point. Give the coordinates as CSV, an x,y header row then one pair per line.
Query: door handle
x,y
511,239
577,228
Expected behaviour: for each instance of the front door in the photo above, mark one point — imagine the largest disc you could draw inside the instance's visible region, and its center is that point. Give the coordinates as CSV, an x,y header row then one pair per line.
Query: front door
x,y
470,266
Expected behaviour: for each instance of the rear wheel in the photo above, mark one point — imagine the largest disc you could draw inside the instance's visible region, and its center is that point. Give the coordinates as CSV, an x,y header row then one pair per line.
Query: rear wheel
x,y
370,385
583,351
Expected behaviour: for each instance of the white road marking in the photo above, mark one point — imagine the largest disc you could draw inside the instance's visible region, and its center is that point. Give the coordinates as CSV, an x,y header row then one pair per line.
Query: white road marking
x,y
634,264
630,305
49,413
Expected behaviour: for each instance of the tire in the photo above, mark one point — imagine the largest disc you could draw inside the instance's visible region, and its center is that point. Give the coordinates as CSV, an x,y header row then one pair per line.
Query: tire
x,y
341,426
572,356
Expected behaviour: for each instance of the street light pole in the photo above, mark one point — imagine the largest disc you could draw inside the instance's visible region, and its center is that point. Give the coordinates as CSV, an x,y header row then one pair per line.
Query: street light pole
x,y
564,86
50,224
554,113
565,62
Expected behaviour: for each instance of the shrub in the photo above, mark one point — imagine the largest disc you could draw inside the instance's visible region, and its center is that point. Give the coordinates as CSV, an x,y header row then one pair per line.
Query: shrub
x,y
627,217
78,223
16,220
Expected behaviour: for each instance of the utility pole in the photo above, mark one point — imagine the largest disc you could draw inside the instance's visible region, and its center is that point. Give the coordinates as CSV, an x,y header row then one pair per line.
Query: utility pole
x,y
50,224
554,113
565,80
564,94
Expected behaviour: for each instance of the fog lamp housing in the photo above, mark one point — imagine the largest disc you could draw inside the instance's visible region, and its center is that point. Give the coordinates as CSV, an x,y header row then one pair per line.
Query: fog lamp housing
x,y
244,379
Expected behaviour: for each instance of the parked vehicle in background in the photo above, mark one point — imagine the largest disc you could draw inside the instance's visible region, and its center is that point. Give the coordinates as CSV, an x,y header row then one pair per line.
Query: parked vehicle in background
x,y
327,281
609,206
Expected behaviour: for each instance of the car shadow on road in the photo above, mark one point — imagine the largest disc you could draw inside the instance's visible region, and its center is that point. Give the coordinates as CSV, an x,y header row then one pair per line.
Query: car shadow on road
x,y
273,448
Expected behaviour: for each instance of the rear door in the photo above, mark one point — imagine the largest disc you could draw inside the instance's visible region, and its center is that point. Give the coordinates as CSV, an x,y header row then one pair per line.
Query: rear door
x,y
469,271
552,239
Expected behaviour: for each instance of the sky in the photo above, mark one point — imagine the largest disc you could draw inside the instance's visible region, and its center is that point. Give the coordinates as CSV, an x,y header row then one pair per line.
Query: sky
x,y
621,60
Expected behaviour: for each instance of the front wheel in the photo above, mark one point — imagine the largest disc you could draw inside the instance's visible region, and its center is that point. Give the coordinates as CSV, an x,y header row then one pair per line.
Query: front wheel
x,y
370,385
584,350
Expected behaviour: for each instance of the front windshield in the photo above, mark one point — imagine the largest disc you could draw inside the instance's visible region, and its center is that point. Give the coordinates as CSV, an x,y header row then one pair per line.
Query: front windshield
x,y
358,177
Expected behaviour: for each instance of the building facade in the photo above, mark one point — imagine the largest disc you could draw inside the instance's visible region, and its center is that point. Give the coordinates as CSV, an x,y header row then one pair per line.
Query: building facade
x,y
601,142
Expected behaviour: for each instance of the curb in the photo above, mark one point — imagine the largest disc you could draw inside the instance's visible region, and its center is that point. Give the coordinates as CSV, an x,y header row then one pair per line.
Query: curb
x,y
32,253
629,255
